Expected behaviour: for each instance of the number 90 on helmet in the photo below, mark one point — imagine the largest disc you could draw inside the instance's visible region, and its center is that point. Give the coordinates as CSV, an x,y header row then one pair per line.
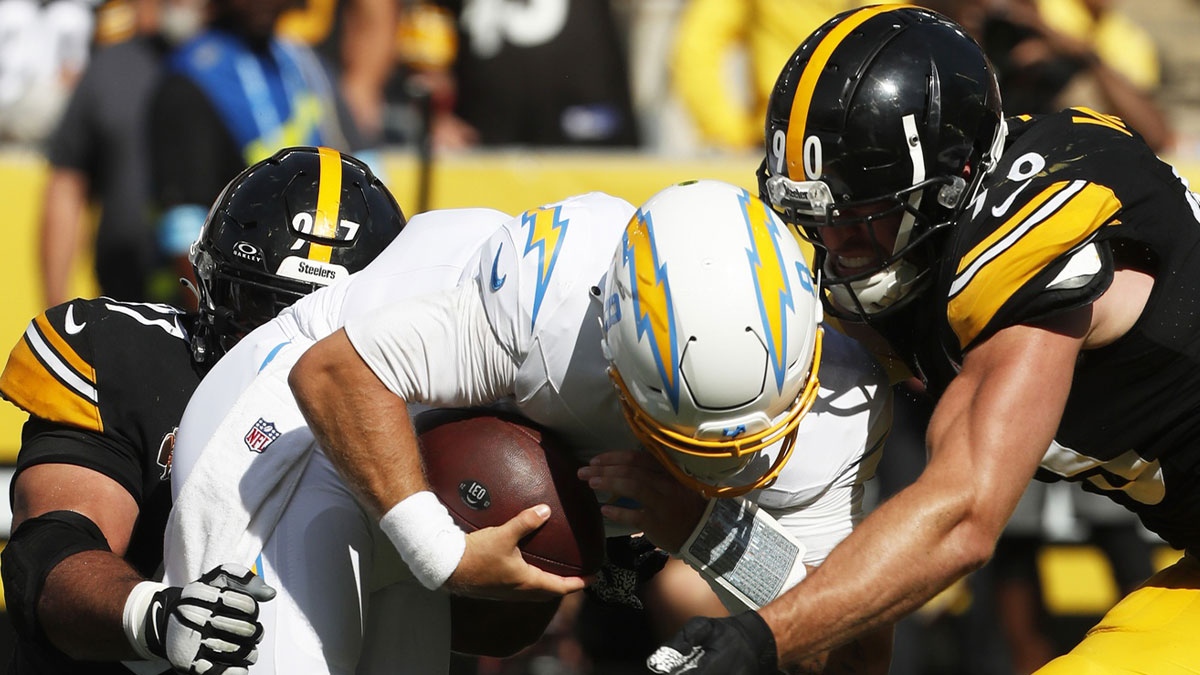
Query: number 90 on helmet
x,y
282,228
887,117
712,333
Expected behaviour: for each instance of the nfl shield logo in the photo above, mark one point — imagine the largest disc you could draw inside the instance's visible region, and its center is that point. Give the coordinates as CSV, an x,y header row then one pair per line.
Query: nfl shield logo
x,y
261,435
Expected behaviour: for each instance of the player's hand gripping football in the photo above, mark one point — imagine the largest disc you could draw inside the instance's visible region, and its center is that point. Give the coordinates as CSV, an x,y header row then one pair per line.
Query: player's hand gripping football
x,y
492,565
210,626
736,645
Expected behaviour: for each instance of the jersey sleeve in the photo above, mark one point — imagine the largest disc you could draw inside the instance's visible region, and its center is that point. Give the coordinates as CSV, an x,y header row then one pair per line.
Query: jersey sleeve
x,y
440,348
44,442
436,349
516,315
1027,246
535,276
51,371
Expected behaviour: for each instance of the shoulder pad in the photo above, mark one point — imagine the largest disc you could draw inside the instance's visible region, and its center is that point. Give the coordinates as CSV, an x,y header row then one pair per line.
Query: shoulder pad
x,y
51,372
546,257
1025,225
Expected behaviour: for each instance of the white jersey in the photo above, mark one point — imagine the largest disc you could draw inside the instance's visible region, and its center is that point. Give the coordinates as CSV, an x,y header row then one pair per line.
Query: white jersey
x,y
539,348
532,341
429,254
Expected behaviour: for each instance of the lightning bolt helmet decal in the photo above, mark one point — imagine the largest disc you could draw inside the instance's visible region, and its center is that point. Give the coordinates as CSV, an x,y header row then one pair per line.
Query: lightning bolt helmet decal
x,y
773,286
653,310
712,334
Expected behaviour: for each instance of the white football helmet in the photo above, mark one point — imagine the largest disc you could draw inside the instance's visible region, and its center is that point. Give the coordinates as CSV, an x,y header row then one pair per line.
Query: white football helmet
x,y
712,332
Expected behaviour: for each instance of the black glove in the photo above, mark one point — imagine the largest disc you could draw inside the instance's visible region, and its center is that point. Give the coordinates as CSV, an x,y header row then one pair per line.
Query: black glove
x,y
628,564
210,626
736,645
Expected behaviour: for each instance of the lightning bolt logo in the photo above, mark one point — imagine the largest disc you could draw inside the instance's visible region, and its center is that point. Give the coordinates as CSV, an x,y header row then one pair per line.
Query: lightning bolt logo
x,y
653,310
771,281
546,232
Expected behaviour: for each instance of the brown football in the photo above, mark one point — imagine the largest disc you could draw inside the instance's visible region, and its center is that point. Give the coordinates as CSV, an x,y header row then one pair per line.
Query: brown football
x,y
487,467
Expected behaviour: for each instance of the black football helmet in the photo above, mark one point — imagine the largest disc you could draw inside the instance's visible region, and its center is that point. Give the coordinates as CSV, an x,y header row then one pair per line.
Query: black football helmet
x,y
283,227
884,112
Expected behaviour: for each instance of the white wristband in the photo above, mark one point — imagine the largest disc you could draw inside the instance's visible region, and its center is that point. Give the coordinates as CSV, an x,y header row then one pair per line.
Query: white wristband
x,y
423,532
744,554
133,618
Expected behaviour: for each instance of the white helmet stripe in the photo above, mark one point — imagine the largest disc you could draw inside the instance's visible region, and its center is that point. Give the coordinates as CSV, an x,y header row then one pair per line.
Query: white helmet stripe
x,y
917,156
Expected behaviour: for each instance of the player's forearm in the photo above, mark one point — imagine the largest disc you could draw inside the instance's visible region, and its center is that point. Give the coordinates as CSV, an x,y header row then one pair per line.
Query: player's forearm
x,y
62,221
363,428
369,51
81,604
368,56
911,548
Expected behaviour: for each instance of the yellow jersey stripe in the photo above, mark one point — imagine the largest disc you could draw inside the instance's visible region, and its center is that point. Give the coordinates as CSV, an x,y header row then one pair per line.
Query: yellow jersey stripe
x,y
1015,226
1067,220
329,202
36,389
808,82
1111,121
1102,123
64,350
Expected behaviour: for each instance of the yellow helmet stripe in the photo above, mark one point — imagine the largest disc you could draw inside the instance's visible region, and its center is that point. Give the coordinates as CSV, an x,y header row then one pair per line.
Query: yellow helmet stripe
x,y
808,82
329,201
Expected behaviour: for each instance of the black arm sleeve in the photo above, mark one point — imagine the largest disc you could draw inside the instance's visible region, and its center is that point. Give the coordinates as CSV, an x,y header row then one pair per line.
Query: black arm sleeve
x,y
44,442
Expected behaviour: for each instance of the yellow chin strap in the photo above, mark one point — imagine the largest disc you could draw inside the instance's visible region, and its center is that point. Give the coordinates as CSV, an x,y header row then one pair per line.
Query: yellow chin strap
x,y
659,440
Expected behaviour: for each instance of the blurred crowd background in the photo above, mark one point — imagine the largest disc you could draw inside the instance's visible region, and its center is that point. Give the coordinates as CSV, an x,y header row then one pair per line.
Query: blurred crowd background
x,y
120,120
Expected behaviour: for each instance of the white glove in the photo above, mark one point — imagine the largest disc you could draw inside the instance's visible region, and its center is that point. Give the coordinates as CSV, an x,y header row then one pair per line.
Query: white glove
x,y
208,627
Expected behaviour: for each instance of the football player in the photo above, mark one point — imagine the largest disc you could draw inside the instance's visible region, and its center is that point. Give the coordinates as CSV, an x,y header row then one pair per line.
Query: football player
x,y
689,326
323,534
1039,274
105,384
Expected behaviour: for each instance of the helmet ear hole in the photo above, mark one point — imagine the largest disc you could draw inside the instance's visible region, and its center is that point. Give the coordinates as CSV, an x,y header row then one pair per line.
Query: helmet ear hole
x,y
951,194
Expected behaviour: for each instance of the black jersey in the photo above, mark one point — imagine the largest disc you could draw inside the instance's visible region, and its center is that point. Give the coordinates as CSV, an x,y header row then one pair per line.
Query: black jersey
x,y
1077,195
105,384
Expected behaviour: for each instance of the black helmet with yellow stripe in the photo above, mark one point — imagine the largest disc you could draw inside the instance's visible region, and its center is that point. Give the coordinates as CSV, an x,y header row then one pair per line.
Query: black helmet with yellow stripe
x,y
884,112
289,224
